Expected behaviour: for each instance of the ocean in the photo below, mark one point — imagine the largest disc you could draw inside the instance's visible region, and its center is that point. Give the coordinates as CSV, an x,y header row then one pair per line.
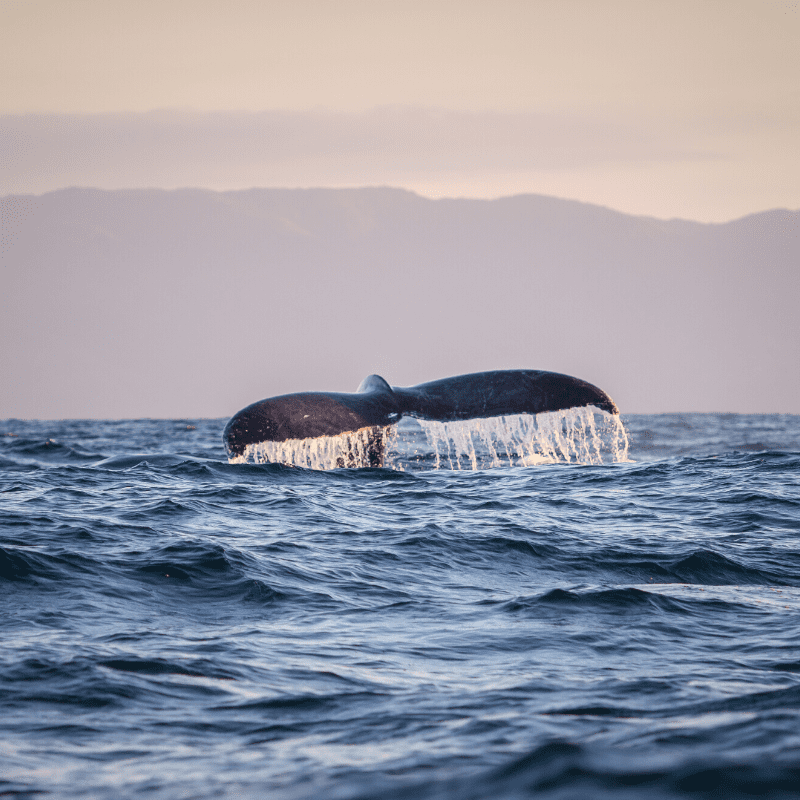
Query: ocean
x,y
622,622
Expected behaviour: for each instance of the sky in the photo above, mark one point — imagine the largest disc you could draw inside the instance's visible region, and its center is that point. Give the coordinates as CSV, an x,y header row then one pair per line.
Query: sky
x,y
673,109
669,109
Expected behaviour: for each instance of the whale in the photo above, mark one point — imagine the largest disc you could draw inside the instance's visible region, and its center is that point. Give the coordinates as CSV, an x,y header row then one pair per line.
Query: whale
x,y
376,405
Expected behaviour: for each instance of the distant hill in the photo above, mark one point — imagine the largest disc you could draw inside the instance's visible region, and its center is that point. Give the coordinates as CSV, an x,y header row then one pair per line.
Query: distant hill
x,y
195,303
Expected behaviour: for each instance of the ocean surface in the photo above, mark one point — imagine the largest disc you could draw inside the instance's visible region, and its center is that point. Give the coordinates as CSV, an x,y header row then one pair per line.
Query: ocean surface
x,y
176,626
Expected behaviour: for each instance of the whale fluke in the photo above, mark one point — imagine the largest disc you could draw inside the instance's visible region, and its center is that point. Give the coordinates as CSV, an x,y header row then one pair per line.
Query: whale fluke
x,y
376,404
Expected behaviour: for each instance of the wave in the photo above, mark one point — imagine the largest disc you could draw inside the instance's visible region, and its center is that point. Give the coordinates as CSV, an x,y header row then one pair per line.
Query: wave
x,y
48,451
613,600
28,565
561,769
710,568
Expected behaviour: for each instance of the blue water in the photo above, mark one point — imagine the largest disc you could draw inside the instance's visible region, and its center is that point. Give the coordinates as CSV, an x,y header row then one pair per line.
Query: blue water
x,y
174,626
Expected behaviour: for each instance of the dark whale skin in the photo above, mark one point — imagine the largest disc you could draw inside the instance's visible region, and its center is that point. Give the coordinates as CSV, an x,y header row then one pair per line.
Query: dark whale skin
x,y
376,404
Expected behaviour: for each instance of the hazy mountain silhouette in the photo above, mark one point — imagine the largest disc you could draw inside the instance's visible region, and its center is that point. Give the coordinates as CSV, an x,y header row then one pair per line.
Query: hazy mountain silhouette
x,y
194,302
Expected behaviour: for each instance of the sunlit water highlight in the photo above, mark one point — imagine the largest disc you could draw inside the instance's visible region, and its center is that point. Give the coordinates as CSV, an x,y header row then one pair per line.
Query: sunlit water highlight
x,y
575,435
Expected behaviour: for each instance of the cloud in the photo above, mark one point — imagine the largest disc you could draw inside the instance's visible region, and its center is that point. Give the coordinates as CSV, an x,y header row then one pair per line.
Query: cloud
x,y
712,168
226,150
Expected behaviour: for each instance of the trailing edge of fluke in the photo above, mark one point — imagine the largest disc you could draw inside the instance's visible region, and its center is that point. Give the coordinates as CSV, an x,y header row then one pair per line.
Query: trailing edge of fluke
x,y
375,404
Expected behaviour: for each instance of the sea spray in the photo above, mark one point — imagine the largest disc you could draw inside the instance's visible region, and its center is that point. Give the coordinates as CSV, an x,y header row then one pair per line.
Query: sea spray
x,y
575,435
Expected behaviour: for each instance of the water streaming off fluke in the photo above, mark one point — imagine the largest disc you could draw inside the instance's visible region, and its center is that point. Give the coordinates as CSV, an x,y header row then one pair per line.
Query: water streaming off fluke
x,y
352,449
576,435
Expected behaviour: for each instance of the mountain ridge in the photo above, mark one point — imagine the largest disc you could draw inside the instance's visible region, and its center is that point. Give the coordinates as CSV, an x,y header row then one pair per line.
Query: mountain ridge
x,y
195,302
398,191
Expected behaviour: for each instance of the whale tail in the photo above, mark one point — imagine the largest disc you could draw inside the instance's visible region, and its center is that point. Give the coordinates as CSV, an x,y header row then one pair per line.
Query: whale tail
x,y
376,405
